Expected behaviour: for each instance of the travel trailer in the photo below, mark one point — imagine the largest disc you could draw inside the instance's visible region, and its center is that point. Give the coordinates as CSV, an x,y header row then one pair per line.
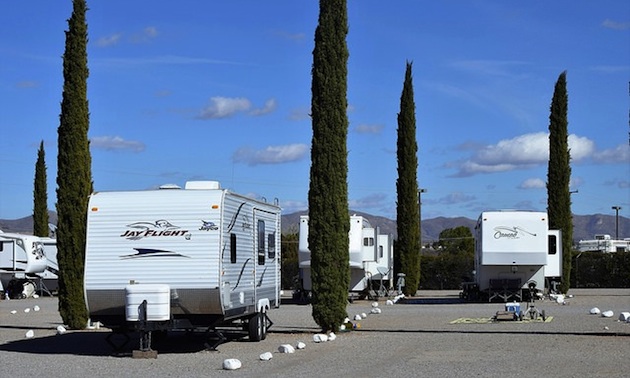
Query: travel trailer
x,y
371,258
516,255
22,258
198,257
604,243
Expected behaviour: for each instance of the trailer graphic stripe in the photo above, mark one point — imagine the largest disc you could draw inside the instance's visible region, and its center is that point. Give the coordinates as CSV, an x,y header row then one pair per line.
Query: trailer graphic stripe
x,y
149,252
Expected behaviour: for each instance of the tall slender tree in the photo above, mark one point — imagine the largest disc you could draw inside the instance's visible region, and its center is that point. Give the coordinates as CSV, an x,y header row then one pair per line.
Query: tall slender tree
x,y
407,205
40,195
74,177
329,219
559,176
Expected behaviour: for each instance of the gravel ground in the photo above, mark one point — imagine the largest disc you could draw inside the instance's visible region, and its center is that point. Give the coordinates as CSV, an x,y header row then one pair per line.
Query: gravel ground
x,y
416,338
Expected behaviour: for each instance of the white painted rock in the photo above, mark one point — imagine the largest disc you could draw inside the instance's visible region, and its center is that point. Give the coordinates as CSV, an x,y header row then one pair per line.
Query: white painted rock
x,y
342,327
320,338
286,348
595,311
389,302
30,334
27,310
346,320
35,296
374,304
357,317
560,299
36,308
231,364
300,345
624,316
363,315
266,356
608,314
61,330
375,310
331,336
13,312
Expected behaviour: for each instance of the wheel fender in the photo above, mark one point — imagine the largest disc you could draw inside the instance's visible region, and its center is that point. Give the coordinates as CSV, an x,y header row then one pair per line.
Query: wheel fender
x,y
263,305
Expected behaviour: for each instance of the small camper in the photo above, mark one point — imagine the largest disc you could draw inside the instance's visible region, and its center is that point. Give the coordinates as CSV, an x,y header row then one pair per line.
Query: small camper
x,y
516,255
198,257
22,258
371,258
605,244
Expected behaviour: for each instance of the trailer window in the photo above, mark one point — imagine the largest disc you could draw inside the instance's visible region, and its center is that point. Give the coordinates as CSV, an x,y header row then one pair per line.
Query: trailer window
x,y
553,245
368,242
380,251
233,248
271,243
261,242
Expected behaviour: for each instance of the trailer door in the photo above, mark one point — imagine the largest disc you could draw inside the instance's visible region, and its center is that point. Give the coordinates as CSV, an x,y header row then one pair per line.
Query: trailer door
x,y
267,250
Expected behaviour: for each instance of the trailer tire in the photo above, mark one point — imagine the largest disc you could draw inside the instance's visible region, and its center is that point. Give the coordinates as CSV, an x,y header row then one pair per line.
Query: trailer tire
x,y
256,327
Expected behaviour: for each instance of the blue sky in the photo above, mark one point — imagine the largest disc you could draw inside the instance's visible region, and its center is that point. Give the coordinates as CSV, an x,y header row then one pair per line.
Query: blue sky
x,y
220,90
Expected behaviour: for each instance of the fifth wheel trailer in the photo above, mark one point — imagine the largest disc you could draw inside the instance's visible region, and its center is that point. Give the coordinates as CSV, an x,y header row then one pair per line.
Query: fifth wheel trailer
x,y
201,257
515,253
371,257
22,258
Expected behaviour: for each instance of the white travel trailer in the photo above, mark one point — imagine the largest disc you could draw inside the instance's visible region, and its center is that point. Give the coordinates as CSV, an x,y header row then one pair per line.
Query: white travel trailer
x,y
515,252
201,257
604,243
371,257
22,258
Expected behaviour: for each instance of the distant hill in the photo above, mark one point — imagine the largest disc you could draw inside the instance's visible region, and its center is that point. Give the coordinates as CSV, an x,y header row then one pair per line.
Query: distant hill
x,y
584,226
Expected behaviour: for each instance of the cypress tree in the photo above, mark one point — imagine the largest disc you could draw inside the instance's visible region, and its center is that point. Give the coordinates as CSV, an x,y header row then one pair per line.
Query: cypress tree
x,y
407,206
329,219
40,195
74,177
559,176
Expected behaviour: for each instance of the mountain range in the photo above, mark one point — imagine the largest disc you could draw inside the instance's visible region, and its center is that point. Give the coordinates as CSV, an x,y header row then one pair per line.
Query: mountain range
x,y
584,226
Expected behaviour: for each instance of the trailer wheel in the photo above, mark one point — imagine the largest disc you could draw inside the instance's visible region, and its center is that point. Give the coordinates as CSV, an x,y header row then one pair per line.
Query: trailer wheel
x,y
255,327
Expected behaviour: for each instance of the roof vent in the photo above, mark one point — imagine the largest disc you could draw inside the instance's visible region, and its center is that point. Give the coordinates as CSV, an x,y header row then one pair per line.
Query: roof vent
x,y
170,186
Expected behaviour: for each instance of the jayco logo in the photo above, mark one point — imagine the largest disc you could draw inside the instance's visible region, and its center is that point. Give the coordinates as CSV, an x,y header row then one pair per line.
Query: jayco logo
x,y
506,232
159,228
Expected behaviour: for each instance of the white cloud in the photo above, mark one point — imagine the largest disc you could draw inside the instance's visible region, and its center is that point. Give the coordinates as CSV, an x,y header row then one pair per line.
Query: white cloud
x,y
368,129
270,106
271,154
610,24
455,197
109,40
532,183
523,151
223,107
619,154
372,201
300,114
116,143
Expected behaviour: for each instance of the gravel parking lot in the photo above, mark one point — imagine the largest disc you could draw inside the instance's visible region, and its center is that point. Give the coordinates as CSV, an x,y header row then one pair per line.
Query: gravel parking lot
x,y
431,334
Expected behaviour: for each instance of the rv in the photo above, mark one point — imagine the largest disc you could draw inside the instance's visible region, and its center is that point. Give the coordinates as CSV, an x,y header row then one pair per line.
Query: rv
x,y
516,256
22,258
371,258
605,244
198,257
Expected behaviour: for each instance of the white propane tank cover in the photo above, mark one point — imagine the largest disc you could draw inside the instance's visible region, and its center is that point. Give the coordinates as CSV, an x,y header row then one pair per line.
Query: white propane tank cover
x,y
232,364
